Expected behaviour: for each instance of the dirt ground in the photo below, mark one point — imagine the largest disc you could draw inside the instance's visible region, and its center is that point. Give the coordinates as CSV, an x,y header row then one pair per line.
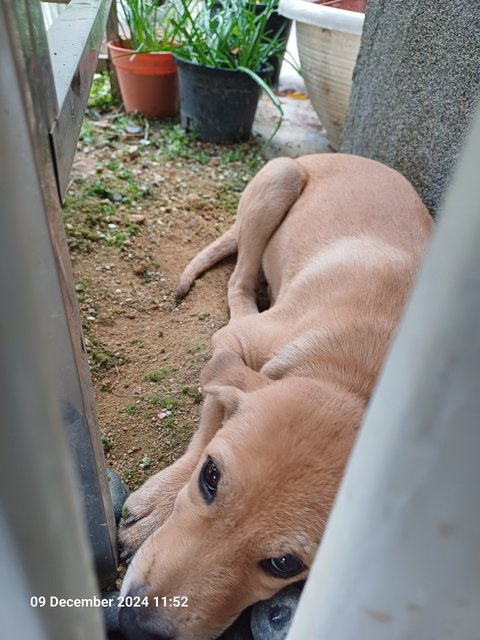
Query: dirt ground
x,y
143,199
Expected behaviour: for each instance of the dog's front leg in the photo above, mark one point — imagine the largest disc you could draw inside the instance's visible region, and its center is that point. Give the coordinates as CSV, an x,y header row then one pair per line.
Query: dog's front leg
x,y
150,506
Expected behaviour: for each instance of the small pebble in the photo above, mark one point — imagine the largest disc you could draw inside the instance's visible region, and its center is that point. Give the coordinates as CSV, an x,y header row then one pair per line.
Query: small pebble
x,y
135,218
133,128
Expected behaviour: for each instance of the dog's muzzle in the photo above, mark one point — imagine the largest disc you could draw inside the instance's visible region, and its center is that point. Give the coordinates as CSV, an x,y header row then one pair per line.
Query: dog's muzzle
x,y
143,623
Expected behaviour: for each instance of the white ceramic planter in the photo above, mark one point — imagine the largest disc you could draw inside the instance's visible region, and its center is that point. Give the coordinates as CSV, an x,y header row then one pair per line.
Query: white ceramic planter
x,y
328,41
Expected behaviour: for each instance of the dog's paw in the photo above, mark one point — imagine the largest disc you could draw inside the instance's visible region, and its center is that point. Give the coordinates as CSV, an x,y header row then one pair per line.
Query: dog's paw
x,y
149,507
139,519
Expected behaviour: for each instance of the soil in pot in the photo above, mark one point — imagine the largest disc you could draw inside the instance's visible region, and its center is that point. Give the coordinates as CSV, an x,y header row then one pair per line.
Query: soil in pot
x,y
217,104
349,5
148,81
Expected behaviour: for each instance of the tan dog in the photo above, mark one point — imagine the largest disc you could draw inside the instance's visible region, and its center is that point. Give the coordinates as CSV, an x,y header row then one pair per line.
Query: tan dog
x,y
339,240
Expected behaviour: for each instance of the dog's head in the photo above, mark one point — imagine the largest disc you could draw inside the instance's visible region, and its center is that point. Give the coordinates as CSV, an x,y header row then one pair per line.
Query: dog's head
x,y
251,517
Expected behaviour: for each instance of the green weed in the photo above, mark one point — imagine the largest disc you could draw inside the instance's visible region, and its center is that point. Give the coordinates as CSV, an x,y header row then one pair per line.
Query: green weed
x,y
169,422
100,94
107,443
165,402
193,392
156,376
131,408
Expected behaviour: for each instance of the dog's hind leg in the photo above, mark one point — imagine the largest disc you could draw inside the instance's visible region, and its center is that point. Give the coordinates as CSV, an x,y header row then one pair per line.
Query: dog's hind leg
x,y
262,207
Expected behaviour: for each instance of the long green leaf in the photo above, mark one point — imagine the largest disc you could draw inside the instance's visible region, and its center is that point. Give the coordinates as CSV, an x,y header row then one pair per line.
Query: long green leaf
x,y
276,102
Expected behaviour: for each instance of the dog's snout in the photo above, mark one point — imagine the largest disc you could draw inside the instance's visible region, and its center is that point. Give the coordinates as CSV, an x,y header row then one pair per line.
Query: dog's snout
x,y
142,622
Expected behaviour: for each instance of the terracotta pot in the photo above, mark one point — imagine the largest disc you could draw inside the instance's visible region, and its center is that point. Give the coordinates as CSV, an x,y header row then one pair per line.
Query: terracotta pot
x,y
148,81
347,5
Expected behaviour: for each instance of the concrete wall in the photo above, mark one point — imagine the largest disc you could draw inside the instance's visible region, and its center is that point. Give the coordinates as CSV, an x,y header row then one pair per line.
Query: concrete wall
x,y
416,85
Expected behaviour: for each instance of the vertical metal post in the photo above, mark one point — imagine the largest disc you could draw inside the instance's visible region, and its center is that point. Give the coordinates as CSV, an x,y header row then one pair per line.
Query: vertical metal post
x,y
74,41
44,550
36,263
400,559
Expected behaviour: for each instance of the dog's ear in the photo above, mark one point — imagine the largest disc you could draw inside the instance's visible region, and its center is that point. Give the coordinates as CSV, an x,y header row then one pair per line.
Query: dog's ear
x,y
228,369
229,397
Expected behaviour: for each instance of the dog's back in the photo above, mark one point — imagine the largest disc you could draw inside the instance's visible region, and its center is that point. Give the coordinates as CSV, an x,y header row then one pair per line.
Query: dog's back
x,y
339,239
340,268
352,213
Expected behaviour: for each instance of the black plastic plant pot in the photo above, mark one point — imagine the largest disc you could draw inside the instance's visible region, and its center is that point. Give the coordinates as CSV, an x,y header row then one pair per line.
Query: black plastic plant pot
x,y
276,23
218,105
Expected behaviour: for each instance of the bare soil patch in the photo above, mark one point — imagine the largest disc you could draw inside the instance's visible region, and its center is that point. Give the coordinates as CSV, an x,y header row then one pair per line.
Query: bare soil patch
x,y
144,198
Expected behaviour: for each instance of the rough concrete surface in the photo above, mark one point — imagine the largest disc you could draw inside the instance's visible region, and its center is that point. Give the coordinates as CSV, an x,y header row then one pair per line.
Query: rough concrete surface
x,y
416,86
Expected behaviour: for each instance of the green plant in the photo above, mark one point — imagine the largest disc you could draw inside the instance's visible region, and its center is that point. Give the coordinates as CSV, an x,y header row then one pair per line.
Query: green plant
x,y
131,408
107,443
193,392
169,422
100,94
163,401
226,34
144,22
156,376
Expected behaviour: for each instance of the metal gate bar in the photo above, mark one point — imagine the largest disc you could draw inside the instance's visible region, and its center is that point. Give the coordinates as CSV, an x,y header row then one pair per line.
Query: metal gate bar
x,y
38,290
42,526
400,559
74,41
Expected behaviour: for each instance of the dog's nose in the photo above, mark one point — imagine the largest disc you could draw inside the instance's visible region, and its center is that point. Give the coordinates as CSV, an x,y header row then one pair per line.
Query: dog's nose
x,y
142,623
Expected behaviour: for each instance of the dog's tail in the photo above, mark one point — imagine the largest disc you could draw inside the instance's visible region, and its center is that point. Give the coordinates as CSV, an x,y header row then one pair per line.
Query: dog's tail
x,y
219,249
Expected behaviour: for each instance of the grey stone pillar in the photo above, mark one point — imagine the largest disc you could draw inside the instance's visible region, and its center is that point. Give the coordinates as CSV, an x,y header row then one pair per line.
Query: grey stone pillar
x,y
416,85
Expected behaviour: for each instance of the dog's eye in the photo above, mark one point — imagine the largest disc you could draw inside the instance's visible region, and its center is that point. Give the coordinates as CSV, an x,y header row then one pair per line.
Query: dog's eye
x,y
209,479
283,567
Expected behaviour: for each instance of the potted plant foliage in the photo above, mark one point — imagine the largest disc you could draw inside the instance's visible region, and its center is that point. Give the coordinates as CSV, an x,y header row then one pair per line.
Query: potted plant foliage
x,y
276,24
146,70
222,52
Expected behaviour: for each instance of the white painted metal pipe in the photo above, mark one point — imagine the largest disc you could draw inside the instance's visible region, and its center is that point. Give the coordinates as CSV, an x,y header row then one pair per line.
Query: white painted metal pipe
x,y
44,550
400,559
